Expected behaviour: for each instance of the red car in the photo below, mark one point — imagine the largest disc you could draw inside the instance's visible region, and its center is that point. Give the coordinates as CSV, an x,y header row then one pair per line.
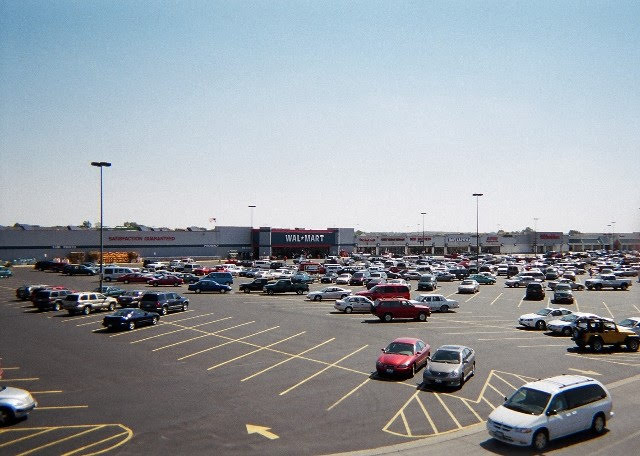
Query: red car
x,y
166,280
403,356
134,277
388,309
203,271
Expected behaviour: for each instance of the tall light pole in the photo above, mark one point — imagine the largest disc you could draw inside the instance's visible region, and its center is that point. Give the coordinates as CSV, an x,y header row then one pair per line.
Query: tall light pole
x,y
251,208
101,165
535,235
477,195
423,214
613,235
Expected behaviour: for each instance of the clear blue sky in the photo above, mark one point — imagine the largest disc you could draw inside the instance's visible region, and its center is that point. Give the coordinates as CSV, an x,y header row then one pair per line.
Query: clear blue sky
x,y
321,114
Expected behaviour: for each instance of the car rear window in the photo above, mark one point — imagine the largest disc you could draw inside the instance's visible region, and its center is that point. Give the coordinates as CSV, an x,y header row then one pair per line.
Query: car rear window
x,y
150,297
72,297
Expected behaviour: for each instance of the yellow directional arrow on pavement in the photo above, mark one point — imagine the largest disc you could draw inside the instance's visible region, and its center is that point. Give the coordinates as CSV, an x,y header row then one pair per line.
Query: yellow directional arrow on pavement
x,y
263,431
583,372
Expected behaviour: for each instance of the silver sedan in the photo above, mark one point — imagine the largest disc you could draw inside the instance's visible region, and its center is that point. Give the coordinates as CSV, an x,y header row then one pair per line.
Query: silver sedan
x,y
354,304
329,293
450,365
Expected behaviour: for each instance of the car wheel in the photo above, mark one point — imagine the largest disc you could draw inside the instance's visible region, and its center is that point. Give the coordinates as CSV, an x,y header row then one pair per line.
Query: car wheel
x,y
540,324
269,292
422,316
473,369
413,369
624,286
125,281
348,310
198,290
70,312
298,292
155,284
598,424
111,307
598,286
6,416
566,331
176,284
164,311
223,291
596,344
107,279
444,308
56,306
246,290
388,317
185,306
86,310
632,345
540,440
461,378
317,298
131,326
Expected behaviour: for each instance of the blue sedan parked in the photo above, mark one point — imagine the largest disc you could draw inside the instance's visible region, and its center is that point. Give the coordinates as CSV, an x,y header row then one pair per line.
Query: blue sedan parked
x,y
208,285
130,318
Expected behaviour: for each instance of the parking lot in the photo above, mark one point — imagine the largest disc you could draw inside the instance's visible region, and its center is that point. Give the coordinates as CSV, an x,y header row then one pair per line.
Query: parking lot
x,y
255,374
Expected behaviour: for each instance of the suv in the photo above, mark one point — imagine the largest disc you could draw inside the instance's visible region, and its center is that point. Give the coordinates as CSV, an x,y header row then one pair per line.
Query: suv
x,y
50,299
598,332
535,291
551,408
78,269
386,290
162,303
87,301
388,309
427,282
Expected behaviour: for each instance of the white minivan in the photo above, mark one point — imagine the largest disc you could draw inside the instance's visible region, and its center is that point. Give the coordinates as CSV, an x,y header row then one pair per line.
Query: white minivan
x,y
113,272
549,409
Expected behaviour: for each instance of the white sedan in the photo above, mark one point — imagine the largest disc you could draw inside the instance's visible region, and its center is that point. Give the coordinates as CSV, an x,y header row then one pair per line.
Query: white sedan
x,y
353,304
539,319
566,324
400,282
343,279
468,286
328,293
437,303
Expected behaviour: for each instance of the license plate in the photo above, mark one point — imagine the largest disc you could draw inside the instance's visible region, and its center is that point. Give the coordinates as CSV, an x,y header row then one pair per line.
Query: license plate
x,y
389,371
438,380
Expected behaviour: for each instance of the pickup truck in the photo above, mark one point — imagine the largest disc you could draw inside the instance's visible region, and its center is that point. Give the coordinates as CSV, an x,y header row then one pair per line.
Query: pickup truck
x,y
607,281
255,285
286,285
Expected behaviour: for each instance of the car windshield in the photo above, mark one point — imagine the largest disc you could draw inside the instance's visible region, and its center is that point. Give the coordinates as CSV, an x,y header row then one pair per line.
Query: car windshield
x,y
467,282
446,356
543,312
122,312
528,400
569,317
563,287
400,348
627,322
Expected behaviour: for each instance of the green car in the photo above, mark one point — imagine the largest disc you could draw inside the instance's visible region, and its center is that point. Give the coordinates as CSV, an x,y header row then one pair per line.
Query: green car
x,y
5,272
483,279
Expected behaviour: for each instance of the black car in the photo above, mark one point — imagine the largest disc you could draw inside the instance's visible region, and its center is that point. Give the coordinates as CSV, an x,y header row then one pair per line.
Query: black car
x,y
329,277
162,303
130,298
444,276
130,318
189,277
47,265
50,299
460,273
535,291
78,269
24,292
255,285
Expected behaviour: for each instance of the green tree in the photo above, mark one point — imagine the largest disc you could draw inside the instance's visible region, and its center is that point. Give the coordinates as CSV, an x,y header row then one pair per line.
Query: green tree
x,y
86,224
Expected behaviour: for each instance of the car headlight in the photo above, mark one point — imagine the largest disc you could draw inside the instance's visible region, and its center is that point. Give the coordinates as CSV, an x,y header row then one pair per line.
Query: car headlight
x,y
522,430
378,363
453,374
405,364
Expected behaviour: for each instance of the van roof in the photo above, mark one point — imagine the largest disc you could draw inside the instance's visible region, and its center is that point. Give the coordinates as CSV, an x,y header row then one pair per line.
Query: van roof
x,y
554,384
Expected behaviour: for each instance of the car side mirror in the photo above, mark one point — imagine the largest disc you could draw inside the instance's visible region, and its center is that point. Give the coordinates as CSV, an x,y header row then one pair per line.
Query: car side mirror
x,y
382,350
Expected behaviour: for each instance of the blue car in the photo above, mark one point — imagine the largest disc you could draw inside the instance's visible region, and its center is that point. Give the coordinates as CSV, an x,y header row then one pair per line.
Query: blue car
x,y
208,285
130,318
5,272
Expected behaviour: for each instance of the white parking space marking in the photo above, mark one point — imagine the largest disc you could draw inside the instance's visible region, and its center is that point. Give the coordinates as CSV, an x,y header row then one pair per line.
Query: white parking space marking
x,y
323,370
349,393
288,359
608,310
497,297
184,328
474,295
229,341
164,347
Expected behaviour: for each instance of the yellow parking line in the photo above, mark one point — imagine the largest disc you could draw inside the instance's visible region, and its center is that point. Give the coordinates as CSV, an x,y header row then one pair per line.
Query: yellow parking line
x,y
349,393
46,392
229,341
429,419
254,351
100,442
323,370
466,402
287,360
406,424
488,403
608,310
26,437
496,390
602,359
500,378
63,407
186,328
55,442
10,368
455,420
498,297
33,379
